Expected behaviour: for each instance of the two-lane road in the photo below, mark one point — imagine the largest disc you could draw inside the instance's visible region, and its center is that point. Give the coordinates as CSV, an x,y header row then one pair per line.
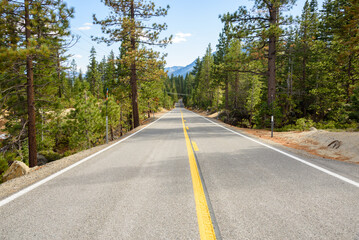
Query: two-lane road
x,y
158,184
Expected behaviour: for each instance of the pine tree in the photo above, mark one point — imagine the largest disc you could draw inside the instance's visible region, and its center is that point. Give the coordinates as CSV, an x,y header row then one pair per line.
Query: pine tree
x,y
219,57
93,74
29,47
126,24
264,24
205,84
303,56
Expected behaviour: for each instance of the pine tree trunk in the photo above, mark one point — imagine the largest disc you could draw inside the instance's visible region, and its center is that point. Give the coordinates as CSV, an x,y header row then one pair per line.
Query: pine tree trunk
x,y
136,118
272,58
30,94
135,114
130,120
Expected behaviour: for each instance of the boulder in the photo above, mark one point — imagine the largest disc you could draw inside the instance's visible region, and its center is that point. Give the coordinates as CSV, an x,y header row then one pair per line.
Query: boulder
x,y
41,160
313,129
16,169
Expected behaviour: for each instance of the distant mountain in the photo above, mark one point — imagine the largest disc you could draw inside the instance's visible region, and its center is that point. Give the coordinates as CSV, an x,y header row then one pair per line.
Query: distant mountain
x,y
180,71
172,69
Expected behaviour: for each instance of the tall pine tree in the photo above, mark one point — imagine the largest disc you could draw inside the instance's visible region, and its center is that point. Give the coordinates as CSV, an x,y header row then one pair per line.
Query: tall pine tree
x,y
126,24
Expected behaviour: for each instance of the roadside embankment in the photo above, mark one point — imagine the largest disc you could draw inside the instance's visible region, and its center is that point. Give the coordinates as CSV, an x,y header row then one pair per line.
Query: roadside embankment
x,y
341,146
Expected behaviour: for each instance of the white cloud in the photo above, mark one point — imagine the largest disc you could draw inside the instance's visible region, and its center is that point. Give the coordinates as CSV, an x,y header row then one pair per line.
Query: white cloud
x,y
181,37
84,28
77,56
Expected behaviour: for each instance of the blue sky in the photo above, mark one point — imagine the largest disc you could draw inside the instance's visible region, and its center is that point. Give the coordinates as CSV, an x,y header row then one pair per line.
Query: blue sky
x,y
193,23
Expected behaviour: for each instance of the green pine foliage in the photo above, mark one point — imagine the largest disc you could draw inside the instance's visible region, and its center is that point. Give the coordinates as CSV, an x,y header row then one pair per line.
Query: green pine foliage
x,y
315,72
71,106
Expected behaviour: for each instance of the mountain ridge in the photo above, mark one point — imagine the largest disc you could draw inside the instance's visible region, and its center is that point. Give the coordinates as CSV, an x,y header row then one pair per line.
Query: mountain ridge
x,y
179,70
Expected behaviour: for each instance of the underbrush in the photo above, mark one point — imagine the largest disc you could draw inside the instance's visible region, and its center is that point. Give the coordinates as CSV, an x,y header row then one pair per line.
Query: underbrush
x,y
301,124
3,167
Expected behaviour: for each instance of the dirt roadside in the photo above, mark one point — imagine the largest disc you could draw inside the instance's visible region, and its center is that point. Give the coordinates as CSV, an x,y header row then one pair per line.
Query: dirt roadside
x,y
38,173
341,146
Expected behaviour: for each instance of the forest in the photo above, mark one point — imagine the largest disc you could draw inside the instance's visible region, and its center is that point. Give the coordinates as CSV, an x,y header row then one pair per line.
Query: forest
x,y
303,71
51,110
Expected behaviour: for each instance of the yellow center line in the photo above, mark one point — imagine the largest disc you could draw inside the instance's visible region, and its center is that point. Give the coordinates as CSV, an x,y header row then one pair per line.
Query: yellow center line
x,y
195,147
206,230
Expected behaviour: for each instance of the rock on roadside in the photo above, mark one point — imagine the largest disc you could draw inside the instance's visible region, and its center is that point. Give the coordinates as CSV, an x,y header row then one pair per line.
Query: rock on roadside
x,y
16,169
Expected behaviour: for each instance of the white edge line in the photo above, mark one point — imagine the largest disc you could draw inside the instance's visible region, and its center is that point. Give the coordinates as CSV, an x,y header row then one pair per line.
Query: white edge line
x,y
39,183
347,180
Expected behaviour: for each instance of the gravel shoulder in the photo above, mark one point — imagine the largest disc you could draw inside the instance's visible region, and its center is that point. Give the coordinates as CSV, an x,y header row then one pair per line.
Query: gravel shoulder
x,y
38,173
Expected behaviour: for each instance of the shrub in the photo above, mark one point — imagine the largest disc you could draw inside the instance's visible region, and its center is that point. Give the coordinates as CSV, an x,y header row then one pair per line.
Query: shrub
x,y
303,124
3,166
50,155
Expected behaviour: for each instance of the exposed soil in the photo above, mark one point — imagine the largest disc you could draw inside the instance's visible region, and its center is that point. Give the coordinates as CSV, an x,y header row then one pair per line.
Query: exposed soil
x,y
341,146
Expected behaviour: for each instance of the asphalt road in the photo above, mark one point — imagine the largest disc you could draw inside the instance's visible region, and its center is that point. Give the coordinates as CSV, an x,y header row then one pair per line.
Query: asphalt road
x,y
146,187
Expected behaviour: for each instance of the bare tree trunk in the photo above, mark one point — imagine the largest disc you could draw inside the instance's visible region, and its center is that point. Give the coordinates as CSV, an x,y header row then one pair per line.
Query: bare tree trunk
x,y
135,114
30,94
272,58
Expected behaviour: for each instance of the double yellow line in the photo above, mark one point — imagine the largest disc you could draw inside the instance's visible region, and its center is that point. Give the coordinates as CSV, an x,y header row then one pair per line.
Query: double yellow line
x,y
205,225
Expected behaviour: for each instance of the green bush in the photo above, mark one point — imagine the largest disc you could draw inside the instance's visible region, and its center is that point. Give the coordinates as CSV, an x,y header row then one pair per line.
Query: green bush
x,y
334,125
286,128
51,155
245,123
3,166
304,124
354,105
326,125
